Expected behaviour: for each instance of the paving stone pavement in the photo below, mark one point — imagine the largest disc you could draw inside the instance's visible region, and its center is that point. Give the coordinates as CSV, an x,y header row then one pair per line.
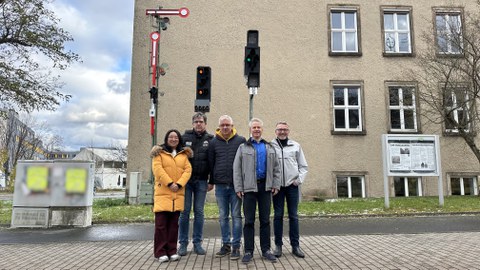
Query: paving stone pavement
x,y
377,251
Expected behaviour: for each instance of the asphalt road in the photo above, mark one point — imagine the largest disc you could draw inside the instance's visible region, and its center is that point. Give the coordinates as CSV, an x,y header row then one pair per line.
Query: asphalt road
x,y
308,226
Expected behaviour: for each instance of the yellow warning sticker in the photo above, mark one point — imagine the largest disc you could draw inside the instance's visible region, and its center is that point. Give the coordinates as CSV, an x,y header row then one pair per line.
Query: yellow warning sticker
x,y
76,180
37,178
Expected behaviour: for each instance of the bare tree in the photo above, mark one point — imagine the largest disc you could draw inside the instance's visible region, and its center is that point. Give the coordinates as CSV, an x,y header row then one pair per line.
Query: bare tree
x,y
120,153
28,29
448,74
22,138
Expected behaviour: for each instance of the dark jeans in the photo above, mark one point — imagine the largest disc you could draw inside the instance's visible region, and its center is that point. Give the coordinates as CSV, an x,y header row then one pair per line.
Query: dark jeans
x,y
250,200
229,204
291,195
166,233
197,190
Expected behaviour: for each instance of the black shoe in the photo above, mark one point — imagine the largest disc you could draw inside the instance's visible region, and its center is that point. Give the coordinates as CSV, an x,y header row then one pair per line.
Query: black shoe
x,y
269,256
278,252
224,250
298,252
235,255
247,257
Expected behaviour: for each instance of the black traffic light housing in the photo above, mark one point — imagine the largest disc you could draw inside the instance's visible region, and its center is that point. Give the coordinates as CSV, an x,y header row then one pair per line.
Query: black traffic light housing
x,y
154,94
252,59
203,83
203,89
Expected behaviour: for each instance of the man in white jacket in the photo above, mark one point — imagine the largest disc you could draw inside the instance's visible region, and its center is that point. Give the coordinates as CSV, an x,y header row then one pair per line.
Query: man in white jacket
x,y
293,170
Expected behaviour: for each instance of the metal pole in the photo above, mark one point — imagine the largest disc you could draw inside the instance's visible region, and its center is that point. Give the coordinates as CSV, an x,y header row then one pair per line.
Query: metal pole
x,y
441,200
253,92
250,115
386,192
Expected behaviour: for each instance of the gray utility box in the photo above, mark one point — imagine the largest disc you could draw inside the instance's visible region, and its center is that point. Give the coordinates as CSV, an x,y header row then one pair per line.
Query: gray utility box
x,y
140,192
145,195
53,193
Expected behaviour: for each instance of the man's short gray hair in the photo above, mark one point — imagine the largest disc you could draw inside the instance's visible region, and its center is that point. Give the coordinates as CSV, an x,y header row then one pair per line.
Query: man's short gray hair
x,y
225,117
281,123
255,120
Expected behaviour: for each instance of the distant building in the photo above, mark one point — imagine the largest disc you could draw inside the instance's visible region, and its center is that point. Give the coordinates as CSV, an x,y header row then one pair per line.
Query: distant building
x,y
62,154
19,142
110,166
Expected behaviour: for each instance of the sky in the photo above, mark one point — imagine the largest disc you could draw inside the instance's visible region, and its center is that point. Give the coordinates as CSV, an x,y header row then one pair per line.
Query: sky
x,y
97,114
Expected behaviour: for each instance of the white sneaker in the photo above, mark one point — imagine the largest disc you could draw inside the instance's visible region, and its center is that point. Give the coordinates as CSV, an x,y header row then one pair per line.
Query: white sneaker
x,y
163,259
174,257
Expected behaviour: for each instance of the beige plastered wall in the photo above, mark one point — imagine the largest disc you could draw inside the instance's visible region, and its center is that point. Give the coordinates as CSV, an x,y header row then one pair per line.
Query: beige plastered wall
x,y
296,77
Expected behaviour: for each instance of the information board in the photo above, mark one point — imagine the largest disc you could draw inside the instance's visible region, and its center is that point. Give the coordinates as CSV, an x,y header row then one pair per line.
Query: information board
x,y
408,155
411,155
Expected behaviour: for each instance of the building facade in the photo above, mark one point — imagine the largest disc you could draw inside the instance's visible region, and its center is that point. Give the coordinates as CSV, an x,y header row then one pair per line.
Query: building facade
x,y
334,70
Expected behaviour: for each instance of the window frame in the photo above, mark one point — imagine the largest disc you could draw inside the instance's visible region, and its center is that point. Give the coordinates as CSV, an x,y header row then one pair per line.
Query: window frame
x,y
462,176
397,10
456,109
344,9
402,108
349,176
457,11
361,107
406,187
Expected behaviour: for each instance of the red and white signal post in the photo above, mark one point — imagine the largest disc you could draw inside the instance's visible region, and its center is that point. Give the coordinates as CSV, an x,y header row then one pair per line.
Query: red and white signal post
x,y
154,59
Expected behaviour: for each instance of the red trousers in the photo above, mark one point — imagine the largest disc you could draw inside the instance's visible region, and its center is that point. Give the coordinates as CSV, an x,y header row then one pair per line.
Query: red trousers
x,y
166,233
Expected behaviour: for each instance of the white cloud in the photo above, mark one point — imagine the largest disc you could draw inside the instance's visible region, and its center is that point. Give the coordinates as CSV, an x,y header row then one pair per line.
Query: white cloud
x,y
97,114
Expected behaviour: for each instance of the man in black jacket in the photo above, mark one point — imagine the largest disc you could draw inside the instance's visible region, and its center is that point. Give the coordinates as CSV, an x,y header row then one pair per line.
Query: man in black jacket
x,y
198,139
221,154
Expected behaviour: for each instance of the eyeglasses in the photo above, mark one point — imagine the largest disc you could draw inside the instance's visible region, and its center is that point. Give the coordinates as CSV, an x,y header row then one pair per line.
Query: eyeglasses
x,y
282,130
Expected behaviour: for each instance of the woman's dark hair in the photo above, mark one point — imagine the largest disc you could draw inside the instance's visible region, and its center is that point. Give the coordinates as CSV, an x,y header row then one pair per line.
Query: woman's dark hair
x,y
180,140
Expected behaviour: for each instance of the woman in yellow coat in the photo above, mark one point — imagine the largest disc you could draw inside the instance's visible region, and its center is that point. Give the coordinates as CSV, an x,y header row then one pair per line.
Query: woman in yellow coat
x,y
172,171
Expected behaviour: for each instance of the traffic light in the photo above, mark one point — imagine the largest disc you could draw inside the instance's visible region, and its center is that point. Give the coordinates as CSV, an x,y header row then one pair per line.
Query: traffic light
x,y
203,83
252,59
202,91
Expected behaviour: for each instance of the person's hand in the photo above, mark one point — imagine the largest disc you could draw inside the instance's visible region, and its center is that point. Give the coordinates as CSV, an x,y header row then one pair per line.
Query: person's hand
x,y
210,187
296,183
174,187
274,191
240,194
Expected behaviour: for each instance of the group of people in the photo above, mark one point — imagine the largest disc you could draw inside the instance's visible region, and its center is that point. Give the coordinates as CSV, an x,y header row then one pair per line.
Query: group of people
x,y
250,173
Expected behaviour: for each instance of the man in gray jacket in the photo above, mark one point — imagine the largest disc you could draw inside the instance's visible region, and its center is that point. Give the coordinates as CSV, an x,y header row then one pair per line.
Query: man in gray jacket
x,y
293,170
255,179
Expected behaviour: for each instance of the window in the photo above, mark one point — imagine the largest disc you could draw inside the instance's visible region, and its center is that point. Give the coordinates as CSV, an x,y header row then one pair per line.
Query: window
x,y
350,186
344,31
407,186
464,185
347,108
449,32
396,32
402,107
456,103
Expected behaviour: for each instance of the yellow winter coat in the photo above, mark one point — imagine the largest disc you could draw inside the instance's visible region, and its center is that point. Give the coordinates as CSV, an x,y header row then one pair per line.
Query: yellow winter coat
x,y
167,170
